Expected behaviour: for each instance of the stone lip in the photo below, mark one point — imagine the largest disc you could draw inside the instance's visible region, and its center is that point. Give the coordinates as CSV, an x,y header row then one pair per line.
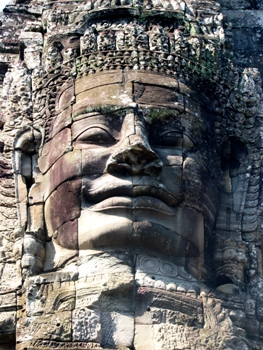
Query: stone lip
x,y
153,189
142,202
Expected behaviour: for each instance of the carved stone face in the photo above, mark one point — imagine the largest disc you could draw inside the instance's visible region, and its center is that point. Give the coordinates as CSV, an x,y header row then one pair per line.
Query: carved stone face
x,y
135,175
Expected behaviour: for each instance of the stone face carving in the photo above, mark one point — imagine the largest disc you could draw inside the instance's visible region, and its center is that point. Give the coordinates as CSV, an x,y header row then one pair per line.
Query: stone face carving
x,y
128,172
130,165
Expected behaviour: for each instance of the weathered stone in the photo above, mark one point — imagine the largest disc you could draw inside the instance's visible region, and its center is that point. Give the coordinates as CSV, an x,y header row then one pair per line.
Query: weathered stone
x,y
86,325
54,149
143,337
8,326
47,327
119,329
67,235
130,175
61,121
65,168
64,204
65,98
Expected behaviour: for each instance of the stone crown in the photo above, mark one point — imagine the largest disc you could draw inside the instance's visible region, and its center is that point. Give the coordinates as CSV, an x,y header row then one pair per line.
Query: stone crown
x,y
171,37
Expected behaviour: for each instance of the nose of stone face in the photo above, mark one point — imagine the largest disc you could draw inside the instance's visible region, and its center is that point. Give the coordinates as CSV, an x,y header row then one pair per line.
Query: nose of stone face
x,y
135,157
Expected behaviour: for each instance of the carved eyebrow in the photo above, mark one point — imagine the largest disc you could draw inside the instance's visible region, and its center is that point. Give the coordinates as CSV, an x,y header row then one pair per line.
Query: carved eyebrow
x,y
165,132
159,114
101,110
84,115
74,38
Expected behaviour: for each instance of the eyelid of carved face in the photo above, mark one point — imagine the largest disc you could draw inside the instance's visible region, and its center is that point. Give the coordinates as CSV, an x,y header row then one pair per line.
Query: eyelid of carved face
x,y
169,139
96,135
187,142
174,139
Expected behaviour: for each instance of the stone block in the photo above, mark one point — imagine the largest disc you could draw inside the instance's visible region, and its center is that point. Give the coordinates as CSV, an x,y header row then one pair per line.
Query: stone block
x,y
151,78
7,323
57,256
119,231
10,280
67,235
32,56
22,199
252,327
117,329
60,121
92,164
86,325
168,336
162,274
65,98
45,327
112,95
8,301
35,217
250,307
157,95
65,168
170,158
31,38
87,83
54,149
63,205
143,338
54,297
88,297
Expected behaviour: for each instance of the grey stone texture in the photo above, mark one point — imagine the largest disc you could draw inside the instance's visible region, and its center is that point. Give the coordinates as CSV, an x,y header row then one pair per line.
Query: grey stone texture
x,y
131,175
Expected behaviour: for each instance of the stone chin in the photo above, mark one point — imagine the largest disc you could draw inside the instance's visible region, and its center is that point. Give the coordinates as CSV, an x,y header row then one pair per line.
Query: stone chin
x,y
143,231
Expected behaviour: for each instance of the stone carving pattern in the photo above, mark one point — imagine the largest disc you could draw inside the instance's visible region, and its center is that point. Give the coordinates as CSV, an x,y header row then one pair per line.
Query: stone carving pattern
x,y
46,344
86,325
106,36
157,273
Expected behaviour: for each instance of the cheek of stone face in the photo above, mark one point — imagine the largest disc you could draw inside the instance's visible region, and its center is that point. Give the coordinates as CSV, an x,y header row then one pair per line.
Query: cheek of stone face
x,y
94,160
200,188
62,209
171,179
171,174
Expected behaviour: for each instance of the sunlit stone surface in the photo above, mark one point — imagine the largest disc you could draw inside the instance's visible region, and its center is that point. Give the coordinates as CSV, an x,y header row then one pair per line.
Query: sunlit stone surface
x,y
130,175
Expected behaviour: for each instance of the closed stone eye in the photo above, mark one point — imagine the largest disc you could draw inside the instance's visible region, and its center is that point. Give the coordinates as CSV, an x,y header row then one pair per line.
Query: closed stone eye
x,y
174,139
96,135
171,138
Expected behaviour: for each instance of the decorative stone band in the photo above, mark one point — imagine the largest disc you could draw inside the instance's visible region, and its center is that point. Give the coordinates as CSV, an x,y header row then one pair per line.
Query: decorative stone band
x,y
207,14
167,63
157,49
170,64
49,344
170,40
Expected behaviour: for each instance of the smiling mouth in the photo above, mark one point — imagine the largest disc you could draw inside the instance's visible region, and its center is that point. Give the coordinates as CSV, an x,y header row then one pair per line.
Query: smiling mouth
x,y
124,195
129,203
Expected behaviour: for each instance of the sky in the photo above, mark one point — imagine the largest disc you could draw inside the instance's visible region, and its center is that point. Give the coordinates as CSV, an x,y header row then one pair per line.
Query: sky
x,y
3,3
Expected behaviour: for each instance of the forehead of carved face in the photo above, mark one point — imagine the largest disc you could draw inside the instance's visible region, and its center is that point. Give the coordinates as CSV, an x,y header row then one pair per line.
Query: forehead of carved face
x,y
129,173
